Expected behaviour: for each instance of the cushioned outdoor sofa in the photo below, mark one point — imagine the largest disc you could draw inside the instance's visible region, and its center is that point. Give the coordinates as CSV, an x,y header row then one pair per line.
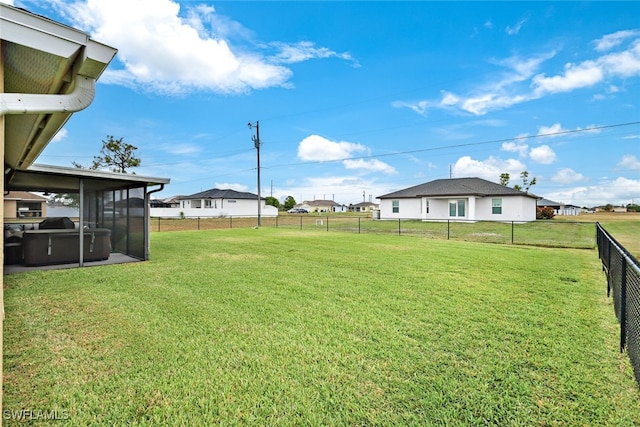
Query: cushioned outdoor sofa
x,y
62,246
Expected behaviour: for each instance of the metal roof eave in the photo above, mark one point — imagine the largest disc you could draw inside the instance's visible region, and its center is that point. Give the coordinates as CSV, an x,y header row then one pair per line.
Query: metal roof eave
x,y
40,177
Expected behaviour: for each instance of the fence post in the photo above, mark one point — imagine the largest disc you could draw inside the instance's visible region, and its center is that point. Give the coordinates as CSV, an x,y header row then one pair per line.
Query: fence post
x,y
327,222
230,222
300,223
198,223
623,305
358,225
399,227
158,223
448,228
512,222
277,216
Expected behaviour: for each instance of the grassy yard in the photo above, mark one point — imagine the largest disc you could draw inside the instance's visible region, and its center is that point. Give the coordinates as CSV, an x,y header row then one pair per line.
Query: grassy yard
x,y
563,234
282,327
624,227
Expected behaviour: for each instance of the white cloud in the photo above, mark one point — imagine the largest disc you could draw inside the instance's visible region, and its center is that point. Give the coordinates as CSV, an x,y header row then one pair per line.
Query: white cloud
x,y
480,105
586,74
620,191
489,169
623,64
181,148
62,134
543,154
591,72
629,162
567,176
317,148
419,107
164,49
513,30
305,50
494,95
610,41
508,89
551,130
373,165
515,147
232,186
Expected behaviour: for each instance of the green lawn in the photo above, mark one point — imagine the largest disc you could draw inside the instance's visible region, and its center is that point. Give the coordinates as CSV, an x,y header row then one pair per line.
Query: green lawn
x,y
282,327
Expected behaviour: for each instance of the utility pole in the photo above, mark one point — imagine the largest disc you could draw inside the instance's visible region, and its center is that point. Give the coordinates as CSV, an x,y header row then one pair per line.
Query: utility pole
x,y
256,144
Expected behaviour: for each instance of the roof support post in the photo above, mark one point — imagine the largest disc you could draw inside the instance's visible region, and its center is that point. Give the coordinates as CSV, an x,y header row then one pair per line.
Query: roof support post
x,y
81,222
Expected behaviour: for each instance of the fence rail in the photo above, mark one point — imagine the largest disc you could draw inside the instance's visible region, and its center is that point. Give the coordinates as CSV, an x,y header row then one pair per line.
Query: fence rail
x,y
537,233
623,281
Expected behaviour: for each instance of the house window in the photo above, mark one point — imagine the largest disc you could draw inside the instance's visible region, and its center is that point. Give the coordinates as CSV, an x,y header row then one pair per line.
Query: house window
x,y
207,203
29,209
496,206
456,208
395,206
427,206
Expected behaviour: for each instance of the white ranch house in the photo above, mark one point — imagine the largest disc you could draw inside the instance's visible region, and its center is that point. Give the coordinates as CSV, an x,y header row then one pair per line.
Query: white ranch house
x,y
217,203
559,208
461,199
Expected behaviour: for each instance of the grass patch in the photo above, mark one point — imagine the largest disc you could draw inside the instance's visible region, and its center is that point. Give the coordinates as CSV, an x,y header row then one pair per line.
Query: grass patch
x,y
279,327
559,234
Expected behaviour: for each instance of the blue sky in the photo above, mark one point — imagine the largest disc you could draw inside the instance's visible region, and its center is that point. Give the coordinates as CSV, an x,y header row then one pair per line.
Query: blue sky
x,y
359,99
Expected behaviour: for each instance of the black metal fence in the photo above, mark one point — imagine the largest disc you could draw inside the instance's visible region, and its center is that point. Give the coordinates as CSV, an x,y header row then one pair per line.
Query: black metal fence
x,y
562,234
623,281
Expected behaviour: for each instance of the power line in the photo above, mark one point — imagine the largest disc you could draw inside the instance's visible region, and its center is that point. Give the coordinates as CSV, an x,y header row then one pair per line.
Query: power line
x,y
469,144
444,147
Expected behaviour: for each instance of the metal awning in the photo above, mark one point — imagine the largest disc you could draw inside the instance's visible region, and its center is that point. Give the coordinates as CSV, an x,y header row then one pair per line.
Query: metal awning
x,y
60,179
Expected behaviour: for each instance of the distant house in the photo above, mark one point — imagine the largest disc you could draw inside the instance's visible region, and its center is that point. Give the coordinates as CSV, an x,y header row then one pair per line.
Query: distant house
x,y
472,199
24,204
322,206
364,207
158,203
559,208
217,203
616,209
173,202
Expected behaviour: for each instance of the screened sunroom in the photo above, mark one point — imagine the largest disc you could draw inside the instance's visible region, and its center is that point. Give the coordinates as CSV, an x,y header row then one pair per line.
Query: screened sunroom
x,y
112,222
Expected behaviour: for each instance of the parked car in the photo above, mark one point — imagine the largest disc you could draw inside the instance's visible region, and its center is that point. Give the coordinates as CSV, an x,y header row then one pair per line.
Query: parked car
x,y
298,210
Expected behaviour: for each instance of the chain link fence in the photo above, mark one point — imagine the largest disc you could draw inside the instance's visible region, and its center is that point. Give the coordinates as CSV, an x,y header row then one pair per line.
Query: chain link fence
x,y
623,281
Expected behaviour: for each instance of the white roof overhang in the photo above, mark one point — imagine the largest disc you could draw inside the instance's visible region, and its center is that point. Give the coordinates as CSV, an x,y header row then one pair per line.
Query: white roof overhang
x,y
42,61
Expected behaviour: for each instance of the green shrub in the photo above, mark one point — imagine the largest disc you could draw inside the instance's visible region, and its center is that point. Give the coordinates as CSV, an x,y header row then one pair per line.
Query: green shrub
x,y
545,213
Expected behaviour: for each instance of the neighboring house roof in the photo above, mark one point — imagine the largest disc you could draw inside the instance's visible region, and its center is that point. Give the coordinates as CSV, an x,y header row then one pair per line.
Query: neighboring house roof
x,y
456,187
216,193
321,203
173,199
24,195
547,202
364,205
